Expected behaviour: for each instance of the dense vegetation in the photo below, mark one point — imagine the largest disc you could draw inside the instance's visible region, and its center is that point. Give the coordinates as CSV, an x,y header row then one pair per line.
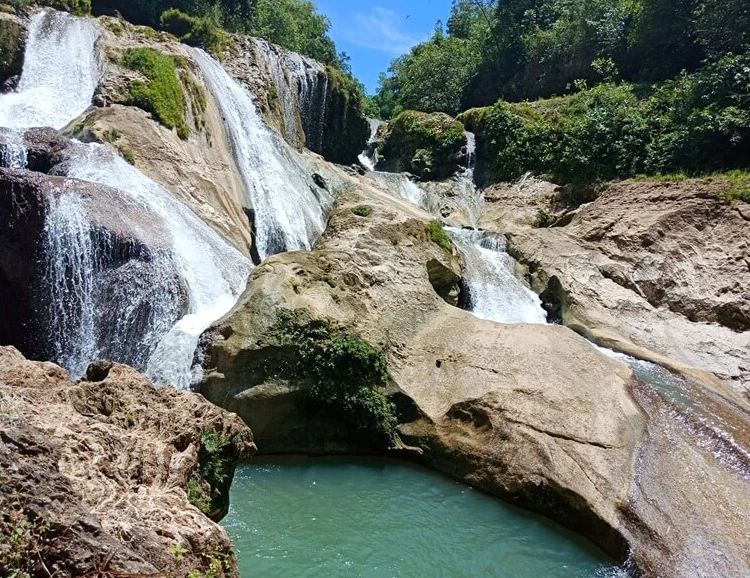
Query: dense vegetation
x,y
293,24
346,376
587,90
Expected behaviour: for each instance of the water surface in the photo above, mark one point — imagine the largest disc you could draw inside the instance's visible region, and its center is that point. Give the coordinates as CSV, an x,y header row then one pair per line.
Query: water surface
x,y
356,517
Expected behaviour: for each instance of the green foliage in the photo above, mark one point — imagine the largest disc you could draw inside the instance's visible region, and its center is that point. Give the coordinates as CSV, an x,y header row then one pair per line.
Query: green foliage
x,y
127,153
204,31
208,486
11,55
428,145
695,124
346,376
436,233
362,210
23,538
161,94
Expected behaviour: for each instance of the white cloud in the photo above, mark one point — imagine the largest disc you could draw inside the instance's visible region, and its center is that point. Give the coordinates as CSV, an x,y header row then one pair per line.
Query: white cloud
x,y
382,29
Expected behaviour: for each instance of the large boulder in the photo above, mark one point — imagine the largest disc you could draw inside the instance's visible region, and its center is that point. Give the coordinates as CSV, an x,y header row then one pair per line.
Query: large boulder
x,y
656,269
429,145
121,247
101,476
499,406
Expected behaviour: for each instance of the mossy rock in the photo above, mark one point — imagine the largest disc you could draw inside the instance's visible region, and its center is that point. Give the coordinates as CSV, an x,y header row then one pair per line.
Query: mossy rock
x,y
429,145
11,48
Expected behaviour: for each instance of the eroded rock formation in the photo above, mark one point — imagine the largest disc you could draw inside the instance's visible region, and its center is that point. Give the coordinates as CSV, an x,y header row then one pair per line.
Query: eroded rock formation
x,y
100,472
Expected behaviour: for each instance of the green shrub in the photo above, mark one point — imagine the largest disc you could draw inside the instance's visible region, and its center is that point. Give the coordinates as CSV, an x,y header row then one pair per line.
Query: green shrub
x,y
362,210
346,376
161,94
428,145
202,31
208,488
695,124
437,235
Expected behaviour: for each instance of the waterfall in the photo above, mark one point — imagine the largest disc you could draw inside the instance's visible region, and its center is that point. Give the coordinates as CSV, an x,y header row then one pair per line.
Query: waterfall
x,y
142,294
400,185
470,198
13,152
369,157
60,72
214,272
289,209
301,87
495,292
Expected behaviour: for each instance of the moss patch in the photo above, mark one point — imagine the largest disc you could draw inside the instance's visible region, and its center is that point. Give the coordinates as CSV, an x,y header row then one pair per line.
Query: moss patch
x,y
346,376
11,49
362,210
161,94
436,233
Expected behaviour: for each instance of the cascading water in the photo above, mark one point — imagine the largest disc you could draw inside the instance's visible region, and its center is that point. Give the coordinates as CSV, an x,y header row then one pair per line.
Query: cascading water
x,y
495,292
301,86
290,211
143,300
213,271
470,198
13,153
60,72
400,185
369,157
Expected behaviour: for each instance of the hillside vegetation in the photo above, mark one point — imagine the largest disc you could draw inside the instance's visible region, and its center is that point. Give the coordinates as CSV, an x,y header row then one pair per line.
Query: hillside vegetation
x,y
587,90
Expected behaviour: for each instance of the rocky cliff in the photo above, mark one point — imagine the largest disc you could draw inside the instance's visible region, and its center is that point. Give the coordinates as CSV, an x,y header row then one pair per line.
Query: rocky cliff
x,y
101,476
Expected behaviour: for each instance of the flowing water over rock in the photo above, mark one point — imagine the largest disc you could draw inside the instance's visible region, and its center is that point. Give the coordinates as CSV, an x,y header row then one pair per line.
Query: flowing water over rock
x,y
213,271
494,291
471,199
13,153
123,299
289,209
369,157
60,72
301,86
400,185
374,518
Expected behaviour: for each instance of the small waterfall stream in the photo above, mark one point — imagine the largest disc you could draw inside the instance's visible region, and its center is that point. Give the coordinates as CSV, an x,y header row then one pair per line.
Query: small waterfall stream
x,y
369,157
495,292
289,209
60,72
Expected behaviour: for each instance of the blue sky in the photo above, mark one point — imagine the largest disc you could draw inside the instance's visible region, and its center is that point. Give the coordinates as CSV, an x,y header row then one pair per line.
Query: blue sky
x,y
375,33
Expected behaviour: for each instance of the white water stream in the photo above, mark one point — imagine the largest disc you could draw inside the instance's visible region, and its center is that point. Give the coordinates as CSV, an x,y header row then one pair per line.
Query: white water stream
x,y
60,73
290,210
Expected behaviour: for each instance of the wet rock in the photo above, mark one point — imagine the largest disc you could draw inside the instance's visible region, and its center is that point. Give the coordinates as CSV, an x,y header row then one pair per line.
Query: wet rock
x,y
12,34
106,464
129,257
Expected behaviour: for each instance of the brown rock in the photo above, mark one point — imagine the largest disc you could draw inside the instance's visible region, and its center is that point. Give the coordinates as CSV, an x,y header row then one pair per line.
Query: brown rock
x,y
107,463
657,270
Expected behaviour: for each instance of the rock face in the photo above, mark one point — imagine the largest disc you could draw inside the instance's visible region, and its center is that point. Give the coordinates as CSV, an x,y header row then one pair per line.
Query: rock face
x,y
11,47
660,270
100,471
198,170
431,146
123,245
498,406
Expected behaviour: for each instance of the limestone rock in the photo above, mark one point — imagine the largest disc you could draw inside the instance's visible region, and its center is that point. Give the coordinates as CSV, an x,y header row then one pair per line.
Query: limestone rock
x,y
658,270
107,464
499,406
